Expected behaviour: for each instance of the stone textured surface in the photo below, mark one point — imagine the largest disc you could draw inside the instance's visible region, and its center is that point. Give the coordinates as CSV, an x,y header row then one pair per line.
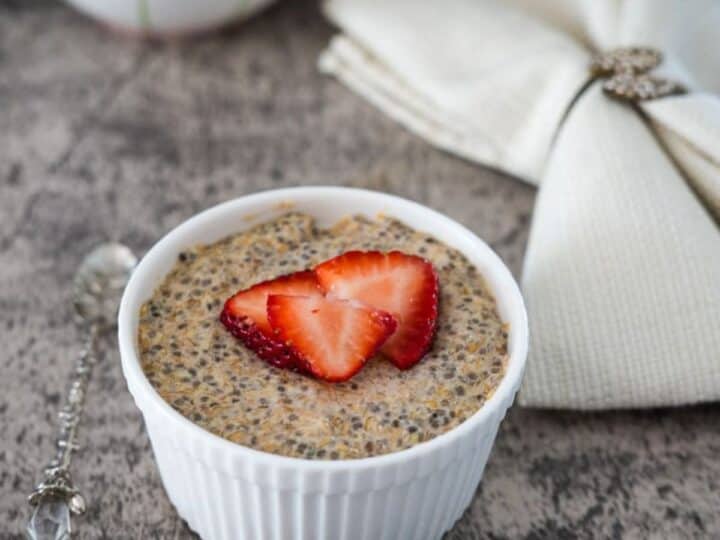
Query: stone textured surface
x,y
104,137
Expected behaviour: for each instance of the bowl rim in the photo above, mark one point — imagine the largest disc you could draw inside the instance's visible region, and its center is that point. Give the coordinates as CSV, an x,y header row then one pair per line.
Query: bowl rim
x,y
138,383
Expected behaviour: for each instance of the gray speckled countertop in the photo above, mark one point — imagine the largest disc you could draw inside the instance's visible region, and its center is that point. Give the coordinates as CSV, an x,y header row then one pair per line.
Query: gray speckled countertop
x,y
103,137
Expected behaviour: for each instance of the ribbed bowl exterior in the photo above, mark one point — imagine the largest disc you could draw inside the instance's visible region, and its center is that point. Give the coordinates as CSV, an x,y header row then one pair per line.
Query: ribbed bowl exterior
x,y
230,497
226,491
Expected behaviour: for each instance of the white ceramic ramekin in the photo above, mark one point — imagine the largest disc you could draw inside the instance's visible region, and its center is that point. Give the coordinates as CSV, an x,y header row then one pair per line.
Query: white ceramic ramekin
x,y
227,491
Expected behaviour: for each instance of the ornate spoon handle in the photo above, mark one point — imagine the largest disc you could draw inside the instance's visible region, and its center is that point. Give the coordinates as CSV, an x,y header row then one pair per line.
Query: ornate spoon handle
x,y
55,497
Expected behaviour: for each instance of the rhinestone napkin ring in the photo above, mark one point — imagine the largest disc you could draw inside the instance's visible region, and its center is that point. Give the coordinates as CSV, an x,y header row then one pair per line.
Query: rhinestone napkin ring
x,y
626,73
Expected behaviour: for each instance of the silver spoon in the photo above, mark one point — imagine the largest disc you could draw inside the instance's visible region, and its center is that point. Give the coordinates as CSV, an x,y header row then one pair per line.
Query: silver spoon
x,y
97,288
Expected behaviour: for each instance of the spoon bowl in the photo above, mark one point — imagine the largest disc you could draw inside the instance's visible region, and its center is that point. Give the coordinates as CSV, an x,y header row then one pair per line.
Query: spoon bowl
x,y
100,281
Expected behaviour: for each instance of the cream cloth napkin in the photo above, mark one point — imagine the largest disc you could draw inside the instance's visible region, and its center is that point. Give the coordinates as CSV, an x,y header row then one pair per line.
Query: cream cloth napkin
x,y
622,271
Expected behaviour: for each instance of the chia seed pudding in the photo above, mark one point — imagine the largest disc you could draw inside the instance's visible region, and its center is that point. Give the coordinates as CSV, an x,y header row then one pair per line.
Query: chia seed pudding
x,y
208,376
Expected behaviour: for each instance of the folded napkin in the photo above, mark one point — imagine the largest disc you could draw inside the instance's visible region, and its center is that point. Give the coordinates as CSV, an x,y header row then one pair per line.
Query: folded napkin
x,y
622,271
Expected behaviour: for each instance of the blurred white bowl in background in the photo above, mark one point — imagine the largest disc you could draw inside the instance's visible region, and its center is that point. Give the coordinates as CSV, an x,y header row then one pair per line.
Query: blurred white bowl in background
x,y
168,17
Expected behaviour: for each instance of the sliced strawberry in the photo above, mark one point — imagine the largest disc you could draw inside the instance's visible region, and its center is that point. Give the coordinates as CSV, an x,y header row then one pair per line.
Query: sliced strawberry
x,y
404,285
252,302
333,337
245,316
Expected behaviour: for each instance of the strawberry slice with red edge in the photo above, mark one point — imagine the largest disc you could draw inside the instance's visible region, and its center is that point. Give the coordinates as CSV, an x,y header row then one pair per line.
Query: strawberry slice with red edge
x,y
334,338
403,285
245,316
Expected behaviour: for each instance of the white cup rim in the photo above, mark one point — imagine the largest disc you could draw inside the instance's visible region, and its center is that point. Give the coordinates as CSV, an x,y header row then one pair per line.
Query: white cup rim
x,y
145,394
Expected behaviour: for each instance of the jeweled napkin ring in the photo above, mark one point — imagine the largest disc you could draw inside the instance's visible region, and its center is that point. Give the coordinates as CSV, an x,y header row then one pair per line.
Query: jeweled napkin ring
x,y
626,71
